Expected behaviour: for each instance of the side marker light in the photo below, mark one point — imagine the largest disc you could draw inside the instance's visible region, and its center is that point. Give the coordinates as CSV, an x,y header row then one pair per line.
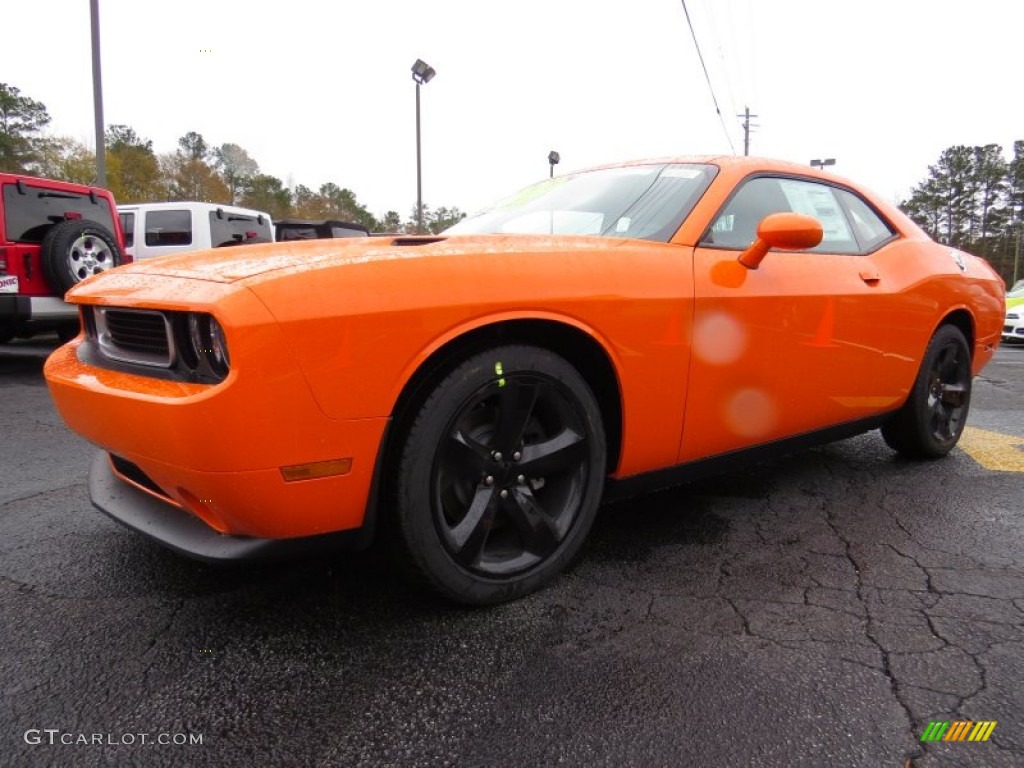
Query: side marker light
x,y
315,469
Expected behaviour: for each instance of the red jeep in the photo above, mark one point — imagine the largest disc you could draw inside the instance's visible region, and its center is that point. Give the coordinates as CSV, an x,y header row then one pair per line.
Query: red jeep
x,y
52,235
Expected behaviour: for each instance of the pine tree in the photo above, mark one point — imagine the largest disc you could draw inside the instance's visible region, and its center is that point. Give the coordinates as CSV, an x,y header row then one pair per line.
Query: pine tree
x,y
21,120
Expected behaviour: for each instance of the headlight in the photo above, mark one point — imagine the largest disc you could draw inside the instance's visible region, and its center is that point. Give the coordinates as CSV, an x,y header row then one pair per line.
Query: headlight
x,y
218,347
195,336
208,343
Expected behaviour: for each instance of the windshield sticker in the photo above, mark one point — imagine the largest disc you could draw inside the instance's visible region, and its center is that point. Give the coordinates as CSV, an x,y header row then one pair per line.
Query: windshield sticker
x,y
531,193
675,172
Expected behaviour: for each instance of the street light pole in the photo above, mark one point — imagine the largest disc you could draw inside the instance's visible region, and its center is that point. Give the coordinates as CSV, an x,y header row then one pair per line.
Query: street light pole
x,y
822,163
422,73
1016,256
419,169
553,159
97,95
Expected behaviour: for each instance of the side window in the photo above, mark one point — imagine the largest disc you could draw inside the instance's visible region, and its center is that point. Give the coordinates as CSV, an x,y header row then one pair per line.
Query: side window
x,y
169,227
736,226
872,230
128,227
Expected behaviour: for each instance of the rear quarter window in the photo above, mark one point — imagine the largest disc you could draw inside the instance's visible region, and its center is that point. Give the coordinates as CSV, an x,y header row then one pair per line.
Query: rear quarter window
x,y
30,213
872,230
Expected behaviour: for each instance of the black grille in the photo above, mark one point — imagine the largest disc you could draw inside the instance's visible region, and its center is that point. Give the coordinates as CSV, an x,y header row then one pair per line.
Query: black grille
x,y
131,471
137,331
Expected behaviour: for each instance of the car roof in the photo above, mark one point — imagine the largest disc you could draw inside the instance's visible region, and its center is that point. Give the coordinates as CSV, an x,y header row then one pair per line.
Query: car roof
x,y
192,205
317,223
39,181
737,163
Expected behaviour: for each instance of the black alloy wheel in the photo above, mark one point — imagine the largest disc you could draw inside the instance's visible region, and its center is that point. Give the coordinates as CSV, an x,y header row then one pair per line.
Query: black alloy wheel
x,y
931,421
501,475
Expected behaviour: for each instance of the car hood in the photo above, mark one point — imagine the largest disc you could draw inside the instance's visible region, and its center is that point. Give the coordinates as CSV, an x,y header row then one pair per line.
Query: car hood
x,y
228,265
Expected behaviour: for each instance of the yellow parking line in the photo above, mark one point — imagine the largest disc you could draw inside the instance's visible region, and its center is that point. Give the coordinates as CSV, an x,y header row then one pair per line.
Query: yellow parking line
x,y
993,450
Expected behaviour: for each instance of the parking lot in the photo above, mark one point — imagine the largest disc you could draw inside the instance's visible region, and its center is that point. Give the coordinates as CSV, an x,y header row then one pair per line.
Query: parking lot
x,y
818,610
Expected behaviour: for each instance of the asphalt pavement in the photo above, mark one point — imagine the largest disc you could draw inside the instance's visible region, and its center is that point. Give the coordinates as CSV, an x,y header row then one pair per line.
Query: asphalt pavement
x,y
818,610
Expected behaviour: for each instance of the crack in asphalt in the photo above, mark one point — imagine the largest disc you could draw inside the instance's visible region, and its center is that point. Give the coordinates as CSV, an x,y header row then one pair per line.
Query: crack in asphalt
x,y
870,633
37,494
926,611
160,631
744,621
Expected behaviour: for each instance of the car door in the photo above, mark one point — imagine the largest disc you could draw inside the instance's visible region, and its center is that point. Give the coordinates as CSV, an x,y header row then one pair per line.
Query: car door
x,y
799,343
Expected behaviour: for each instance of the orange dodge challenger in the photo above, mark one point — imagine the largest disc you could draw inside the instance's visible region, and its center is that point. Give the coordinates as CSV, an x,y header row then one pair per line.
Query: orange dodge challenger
x,y
477,392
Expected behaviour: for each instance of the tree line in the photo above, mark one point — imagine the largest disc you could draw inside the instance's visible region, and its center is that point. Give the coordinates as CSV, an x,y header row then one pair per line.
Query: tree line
x,y
973,198
224,174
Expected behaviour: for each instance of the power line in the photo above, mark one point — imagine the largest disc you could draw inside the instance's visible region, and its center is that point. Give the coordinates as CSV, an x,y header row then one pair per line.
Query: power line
x,y
718,42
707,77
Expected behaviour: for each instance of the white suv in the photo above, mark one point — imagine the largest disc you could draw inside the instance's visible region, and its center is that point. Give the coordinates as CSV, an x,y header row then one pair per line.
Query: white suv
x,y
156,229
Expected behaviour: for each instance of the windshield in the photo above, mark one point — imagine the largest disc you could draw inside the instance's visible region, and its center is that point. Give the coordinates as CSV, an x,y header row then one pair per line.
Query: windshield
x,y
646,202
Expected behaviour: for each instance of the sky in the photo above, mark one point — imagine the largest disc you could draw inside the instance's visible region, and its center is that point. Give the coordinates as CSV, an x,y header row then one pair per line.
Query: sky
x,y
321,91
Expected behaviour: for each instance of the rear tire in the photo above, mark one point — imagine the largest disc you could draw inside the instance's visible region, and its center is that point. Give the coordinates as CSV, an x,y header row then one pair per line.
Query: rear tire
x,y
931,421
500,476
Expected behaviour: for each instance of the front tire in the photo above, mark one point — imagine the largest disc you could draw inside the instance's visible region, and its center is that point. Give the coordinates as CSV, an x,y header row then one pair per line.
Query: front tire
x,y
931,421
500,476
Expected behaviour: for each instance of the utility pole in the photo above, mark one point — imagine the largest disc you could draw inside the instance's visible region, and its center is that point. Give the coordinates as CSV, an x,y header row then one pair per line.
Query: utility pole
x,y
97,96
747,127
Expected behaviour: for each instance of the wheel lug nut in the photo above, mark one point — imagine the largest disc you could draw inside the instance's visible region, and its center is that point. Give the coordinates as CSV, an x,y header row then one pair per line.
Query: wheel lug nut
x,y
489,480
497,455
504,494
517,456
521,479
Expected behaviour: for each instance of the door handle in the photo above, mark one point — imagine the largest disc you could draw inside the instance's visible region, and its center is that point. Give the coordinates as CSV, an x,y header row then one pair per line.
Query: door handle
x,y
870,275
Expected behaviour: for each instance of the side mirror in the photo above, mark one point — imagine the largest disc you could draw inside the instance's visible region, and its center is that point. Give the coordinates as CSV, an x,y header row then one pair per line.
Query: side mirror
x,y
784,231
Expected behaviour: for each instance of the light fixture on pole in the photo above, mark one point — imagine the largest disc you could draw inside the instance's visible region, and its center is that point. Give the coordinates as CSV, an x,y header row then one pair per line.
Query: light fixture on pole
x,y
822,163
422,73
553,159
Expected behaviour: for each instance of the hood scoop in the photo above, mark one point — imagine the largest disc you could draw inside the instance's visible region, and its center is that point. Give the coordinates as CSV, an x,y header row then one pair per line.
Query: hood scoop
x,y
421,240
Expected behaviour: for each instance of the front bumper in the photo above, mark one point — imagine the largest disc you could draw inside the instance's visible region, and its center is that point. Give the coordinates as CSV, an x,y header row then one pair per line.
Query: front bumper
x,y
173,528
219,454
30,313
1013,330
